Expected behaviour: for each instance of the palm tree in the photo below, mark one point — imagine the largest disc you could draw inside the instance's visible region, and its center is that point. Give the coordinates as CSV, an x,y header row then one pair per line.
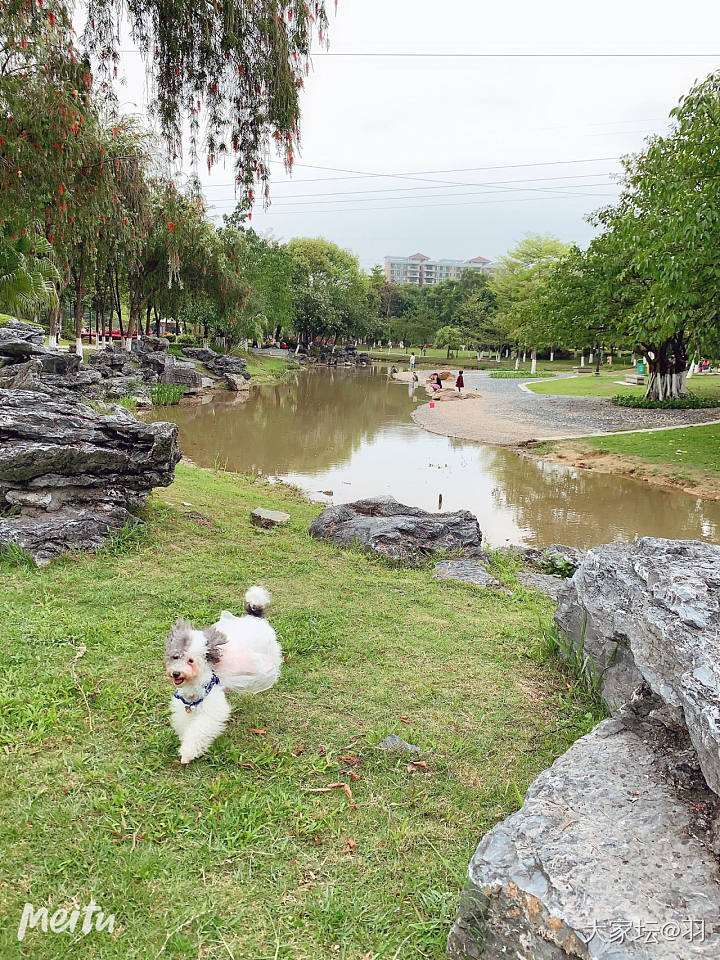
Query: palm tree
x,y
27,273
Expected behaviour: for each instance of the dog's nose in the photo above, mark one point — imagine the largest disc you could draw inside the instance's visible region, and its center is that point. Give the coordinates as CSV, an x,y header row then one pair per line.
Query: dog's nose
x,y
176,674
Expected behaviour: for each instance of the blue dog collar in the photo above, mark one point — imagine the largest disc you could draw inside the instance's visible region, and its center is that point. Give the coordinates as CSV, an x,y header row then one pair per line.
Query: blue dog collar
x,y
212,682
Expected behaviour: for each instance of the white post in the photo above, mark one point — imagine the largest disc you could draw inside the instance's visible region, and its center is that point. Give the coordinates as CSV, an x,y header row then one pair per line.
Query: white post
x,y
582,359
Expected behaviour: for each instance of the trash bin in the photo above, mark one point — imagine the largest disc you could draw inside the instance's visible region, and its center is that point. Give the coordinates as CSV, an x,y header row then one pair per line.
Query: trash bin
x,y
641,367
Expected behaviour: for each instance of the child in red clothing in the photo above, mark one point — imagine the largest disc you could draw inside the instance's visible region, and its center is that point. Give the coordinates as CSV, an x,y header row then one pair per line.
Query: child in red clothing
x,y
460,382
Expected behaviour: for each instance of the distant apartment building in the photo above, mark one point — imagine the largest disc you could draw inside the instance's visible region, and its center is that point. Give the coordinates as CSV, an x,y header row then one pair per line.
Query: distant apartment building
x,y
423,272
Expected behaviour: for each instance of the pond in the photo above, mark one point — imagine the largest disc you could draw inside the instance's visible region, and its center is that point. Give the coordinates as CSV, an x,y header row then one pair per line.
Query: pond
x,y
345,434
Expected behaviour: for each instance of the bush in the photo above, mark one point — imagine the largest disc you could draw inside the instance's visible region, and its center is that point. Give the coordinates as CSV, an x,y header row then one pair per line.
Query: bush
x,y
690,402
170,337
167,394
187,340
130,403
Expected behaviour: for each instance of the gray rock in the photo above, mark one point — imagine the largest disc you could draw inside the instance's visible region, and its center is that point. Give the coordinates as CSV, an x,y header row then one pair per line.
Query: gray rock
x,y
203,354
602,842
75,474
236,382
153,344
182,374
558,558
467,571
18,349
269,518
542,582
223,364
393,743
16,329
20,376
384,526
649,613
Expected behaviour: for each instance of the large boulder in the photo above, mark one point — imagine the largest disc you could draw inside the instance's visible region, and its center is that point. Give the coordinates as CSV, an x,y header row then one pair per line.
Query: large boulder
x,y
649,613
182,374
614,853
202,354
223,364
20,330
408,534
70,476
606,859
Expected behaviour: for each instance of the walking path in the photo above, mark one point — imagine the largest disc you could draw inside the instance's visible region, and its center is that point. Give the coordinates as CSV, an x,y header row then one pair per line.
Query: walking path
x,y
507,415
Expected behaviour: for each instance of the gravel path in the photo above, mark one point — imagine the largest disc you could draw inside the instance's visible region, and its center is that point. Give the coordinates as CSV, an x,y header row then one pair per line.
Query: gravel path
x,y
506,415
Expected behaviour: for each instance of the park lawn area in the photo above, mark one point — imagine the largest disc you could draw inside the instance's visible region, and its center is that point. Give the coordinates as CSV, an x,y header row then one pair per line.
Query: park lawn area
x,y
605,385
688,458
240,855
265,369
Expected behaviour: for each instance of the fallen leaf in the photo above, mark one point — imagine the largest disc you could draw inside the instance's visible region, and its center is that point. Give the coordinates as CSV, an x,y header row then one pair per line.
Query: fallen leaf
x,y
335,786
406,720
257,732
351,759
350,846
299,750
416,765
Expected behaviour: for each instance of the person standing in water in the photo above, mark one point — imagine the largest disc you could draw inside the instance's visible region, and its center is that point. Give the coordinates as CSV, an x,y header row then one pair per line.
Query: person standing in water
x,y
460,382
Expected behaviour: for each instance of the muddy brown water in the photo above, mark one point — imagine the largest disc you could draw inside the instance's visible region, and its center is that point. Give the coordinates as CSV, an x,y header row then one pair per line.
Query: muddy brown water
x,y
349,432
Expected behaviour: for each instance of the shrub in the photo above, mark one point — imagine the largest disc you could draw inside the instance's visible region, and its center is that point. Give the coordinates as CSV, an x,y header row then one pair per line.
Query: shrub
x,y
690,402
130,403
170,337
167,394
187,340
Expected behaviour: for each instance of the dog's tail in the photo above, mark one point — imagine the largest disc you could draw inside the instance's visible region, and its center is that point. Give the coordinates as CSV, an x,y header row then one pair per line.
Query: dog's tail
x,y
257,600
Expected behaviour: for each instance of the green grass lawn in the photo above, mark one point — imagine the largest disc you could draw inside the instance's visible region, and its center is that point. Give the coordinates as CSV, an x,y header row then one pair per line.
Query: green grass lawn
x,y
692,449
264,368
604,385
237,856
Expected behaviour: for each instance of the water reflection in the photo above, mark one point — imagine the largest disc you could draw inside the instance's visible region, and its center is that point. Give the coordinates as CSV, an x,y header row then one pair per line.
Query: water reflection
x,y
350,432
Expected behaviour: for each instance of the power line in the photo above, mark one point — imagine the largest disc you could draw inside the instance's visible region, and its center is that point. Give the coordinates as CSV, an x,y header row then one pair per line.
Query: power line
x,y
355,193
509,55
420,206
475,193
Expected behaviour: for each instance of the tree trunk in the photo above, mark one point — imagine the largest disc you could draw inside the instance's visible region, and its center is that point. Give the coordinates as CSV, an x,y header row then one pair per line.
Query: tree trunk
x,y
533,363
157,321
552,354
79,311
118,308
147,321
667,370
517,362
54,324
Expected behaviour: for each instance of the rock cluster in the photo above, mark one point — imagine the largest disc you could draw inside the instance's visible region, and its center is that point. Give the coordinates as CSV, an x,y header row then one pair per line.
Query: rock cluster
x,y
109,373
383,525
614,853
69,476
333,356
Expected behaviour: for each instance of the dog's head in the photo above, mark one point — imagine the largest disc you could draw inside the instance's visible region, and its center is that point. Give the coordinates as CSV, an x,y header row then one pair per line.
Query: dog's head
x,y
189,651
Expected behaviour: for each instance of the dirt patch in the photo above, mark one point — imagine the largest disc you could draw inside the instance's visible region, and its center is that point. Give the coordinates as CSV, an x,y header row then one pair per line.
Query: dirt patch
x,y
572,453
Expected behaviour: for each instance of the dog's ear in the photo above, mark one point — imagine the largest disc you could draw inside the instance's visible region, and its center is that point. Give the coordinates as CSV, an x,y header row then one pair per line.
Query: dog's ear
x,y
215,639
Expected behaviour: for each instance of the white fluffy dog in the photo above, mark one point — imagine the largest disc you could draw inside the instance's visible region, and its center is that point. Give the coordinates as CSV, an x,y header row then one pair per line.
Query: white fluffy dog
x,y
236,653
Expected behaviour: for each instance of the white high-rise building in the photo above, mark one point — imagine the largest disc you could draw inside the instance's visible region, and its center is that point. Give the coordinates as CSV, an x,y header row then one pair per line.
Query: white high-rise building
x,y
422,271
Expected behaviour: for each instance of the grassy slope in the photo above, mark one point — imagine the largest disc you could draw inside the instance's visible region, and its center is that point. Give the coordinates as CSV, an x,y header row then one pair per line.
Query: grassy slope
x,y
235,856
266,369
587,385
693,449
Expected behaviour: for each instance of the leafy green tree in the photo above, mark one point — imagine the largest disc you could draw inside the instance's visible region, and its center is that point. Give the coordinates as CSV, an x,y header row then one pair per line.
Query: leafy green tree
x,y
329,293
450,337
517,282
27,272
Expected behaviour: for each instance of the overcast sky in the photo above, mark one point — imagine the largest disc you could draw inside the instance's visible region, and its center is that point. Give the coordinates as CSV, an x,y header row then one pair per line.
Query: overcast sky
x,y
552,127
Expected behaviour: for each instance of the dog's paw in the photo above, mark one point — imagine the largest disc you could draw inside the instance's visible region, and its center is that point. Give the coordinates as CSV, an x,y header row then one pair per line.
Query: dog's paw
x,y
186,757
